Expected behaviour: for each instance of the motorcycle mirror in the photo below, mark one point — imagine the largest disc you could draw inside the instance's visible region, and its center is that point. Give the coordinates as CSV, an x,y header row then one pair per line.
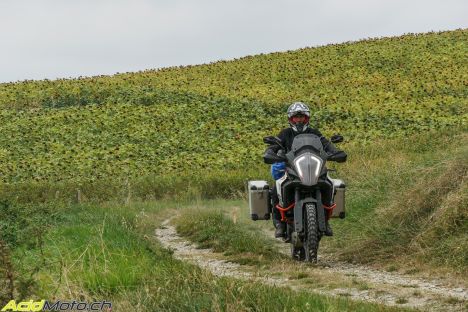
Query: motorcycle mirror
x,y
272,140
336,138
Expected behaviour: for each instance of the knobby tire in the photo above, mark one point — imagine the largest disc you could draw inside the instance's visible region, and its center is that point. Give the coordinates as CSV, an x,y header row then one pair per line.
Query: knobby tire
x,y
311,241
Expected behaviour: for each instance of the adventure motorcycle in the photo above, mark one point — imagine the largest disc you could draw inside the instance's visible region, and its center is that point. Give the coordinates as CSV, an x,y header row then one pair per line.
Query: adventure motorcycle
x,y
300,202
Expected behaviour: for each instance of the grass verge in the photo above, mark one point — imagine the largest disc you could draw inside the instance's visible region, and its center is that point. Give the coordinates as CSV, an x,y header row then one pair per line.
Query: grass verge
x,y
212,228
108,252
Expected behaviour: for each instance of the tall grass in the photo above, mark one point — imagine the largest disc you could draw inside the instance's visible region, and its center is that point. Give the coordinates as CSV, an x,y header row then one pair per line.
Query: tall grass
x,y
108,252
187,186
408,201
212,228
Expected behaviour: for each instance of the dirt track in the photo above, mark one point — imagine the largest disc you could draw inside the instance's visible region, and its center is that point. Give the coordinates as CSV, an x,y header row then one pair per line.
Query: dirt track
x,y
328,277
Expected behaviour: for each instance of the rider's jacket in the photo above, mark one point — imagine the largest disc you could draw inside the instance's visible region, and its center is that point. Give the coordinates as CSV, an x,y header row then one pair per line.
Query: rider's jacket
x,y
287,136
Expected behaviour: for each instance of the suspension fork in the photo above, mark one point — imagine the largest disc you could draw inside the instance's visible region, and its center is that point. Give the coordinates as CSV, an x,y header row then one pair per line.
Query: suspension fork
x,y
298,215
320,211
299,210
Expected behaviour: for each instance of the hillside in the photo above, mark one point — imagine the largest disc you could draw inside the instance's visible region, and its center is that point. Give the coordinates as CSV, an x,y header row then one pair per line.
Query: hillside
x,y
212,117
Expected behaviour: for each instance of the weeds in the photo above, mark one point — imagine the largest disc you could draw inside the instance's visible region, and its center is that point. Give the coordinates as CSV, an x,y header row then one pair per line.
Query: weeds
x,y
22,231
411,201
7,278
213,229
102,257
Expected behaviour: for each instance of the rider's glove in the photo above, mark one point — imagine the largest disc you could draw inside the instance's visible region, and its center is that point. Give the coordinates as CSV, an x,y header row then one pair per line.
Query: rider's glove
x,y
340,157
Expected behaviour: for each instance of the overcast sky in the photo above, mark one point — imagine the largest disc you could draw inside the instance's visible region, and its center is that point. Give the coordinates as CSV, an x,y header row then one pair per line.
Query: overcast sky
x,y
70,38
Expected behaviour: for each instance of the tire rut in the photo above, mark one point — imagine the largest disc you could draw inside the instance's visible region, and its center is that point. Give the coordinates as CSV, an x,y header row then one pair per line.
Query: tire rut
x,y
357,282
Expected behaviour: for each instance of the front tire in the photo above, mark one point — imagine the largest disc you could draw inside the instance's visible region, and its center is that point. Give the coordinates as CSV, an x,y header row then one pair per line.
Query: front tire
x,y
297,253
311,240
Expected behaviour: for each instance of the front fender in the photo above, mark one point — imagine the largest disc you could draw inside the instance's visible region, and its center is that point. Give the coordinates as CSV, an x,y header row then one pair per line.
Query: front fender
x,y
299,213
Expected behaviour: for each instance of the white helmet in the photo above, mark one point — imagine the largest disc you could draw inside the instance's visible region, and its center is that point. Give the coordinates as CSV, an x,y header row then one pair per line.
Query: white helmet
x,y
298,108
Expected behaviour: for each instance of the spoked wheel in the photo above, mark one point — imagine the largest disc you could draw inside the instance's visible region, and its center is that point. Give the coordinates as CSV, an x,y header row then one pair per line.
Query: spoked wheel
x,y
297,253
311,240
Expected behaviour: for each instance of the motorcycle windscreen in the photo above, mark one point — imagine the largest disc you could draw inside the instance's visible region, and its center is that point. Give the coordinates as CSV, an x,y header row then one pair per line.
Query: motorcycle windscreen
x,y
308,166
306,140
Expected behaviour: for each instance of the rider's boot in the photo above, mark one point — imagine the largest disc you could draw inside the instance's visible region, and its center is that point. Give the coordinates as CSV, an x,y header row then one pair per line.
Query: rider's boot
x,y
329,212
328,229
280,228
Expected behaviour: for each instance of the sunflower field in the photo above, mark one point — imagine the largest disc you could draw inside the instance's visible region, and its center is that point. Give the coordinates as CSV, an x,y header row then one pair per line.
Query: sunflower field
x,y
212,117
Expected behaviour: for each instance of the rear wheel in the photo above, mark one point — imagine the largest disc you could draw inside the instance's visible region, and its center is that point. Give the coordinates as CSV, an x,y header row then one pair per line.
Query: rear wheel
x,y
311,240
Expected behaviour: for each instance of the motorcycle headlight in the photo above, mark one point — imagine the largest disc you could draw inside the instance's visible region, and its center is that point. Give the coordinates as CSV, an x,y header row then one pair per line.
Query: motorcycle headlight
x,y
308,167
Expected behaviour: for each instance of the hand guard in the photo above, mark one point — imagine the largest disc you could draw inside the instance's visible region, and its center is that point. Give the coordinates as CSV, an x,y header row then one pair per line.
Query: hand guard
x,y
339,157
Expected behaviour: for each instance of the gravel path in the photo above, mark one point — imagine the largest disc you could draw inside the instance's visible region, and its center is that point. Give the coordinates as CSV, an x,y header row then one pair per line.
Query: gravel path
x,y
204,258
369,284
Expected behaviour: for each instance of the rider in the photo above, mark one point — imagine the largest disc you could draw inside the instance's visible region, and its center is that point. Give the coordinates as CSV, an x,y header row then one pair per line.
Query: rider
x,y
298,116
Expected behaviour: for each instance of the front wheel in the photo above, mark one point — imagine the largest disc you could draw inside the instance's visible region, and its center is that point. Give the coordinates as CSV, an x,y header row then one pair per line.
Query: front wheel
x,y
297,253
311,240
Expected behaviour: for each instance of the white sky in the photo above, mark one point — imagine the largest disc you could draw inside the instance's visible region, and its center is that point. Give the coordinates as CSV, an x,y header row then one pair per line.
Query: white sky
x,y
64,38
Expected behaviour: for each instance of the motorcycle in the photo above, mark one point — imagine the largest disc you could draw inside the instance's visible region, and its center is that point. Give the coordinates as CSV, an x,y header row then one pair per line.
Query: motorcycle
x,y
299,195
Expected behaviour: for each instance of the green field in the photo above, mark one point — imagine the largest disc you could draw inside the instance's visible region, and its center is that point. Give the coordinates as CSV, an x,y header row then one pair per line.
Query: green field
x,y
211,118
